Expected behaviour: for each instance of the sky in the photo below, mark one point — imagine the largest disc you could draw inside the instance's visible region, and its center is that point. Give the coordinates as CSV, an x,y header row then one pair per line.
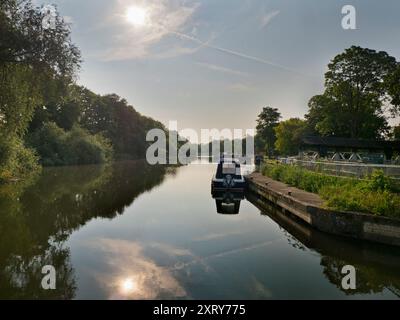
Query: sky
x,y
216,63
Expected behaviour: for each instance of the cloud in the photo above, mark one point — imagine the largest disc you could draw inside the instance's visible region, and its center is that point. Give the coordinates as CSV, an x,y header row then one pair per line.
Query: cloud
x,y
175,51
213,236
130,274
239,87
164,18
69,20
214,67
267,18
239,54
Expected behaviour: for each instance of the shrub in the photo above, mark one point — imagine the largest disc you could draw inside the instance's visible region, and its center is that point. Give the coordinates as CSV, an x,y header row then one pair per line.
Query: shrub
x,y
377,181
16,160
57,147
83,148
377,194
49,144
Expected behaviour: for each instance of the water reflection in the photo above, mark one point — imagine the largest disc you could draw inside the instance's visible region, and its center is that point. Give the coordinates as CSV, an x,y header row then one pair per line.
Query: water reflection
x,y
377,266
231,208
36,218
130,274
227,202
106,242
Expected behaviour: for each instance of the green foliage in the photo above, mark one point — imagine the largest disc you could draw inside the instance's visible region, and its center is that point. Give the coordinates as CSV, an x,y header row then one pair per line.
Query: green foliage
x,y
355,97
288,136
32,59
109,116
57,147
265,138
392,83
377,194
355,199
396,133
16,161
40,103
378,181
119,122
18,98
83,148
25,41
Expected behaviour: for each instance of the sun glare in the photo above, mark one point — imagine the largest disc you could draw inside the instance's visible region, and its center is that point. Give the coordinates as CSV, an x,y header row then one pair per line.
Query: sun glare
x,y
128,286
136,16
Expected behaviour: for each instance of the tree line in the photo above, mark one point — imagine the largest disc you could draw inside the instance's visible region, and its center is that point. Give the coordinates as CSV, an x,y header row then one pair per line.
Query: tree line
x,y
362,93
45,117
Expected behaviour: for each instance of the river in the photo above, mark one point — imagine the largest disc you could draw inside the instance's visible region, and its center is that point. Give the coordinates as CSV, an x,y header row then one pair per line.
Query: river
x,y
132,231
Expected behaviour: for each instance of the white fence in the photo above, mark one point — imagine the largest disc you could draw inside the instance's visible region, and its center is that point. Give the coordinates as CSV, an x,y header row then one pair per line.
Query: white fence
x,y
348,169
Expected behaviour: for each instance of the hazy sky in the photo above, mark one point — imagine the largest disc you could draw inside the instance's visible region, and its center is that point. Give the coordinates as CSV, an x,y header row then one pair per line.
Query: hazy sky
x,y
216,63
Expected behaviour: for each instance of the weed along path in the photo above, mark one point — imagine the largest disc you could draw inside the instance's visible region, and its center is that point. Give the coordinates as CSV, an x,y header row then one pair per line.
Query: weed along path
x,y
133,231
310,208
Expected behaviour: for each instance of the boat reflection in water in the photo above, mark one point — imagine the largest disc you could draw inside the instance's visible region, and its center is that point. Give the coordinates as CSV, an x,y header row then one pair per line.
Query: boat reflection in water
x,y
228,186
228,203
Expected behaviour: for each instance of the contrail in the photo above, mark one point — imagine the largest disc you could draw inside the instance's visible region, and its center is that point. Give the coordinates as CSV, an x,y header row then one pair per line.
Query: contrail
x,y
238,54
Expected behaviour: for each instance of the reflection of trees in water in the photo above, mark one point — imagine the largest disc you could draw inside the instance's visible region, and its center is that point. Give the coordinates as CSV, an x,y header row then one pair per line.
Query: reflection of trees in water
x,y
35,220
21,277
377,266
292,240
369,279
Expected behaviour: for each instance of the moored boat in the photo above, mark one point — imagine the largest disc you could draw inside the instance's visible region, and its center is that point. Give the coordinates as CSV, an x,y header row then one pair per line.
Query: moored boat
x,y
228,185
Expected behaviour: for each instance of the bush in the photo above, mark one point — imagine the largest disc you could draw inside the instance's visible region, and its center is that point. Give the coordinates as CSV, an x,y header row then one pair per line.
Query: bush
x,y
377,194
16,160
377,181
83,148
57,147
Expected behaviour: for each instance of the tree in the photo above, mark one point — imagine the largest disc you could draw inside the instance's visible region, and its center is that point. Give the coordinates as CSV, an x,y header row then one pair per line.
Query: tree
x,y
392,83
24,40
57,147
116,120
396,133
42,107
288,136
31,59
267,121
356,93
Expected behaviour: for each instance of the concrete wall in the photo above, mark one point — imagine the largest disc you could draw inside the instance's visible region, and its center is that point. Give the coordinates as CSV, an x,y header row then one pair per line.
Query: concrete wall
x,y
349,224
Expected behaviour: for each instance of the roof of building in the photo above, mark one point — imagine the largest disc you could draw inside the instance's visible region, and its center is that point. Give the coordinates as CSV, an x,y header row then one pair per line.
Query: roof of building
x,y
350,143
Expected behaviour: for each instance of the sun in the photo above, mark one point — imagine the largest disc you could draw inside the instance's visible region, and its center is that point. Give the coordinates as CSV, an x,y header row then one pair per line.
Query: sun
x,y
128,286
137,16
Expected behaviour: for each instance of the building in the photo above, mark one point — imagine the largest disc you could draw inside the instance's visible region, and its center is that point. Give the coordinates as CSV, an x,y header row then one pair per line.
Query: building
x,y
350,150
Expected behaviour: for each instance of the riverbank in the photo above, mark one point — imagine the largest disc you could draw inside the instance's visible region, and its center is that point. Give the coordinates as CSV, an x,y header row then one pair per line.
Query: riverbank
x,y
310,208
375,194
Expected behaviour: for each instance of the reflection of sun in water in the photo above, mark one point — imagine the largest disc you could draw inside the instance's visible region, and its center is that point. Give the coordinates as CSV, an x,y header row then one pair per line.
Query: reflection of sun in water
x,y
128,286
137,16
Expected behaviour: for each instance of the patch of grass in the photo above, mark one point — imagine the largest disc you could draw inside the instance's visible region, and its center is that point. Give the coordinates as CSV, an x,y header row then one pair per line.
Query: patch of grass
x,y
376,194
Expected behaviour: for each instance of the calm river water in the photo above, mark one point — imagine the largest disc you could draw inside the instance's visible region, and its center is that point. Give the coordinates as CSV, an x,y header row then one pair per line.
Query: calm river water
x,y
131,231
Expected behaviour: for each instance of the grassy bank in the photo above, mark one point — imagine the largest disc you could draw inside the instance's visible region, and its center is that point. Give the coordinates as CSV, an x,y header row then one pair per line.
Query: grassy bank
x,y
376,194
